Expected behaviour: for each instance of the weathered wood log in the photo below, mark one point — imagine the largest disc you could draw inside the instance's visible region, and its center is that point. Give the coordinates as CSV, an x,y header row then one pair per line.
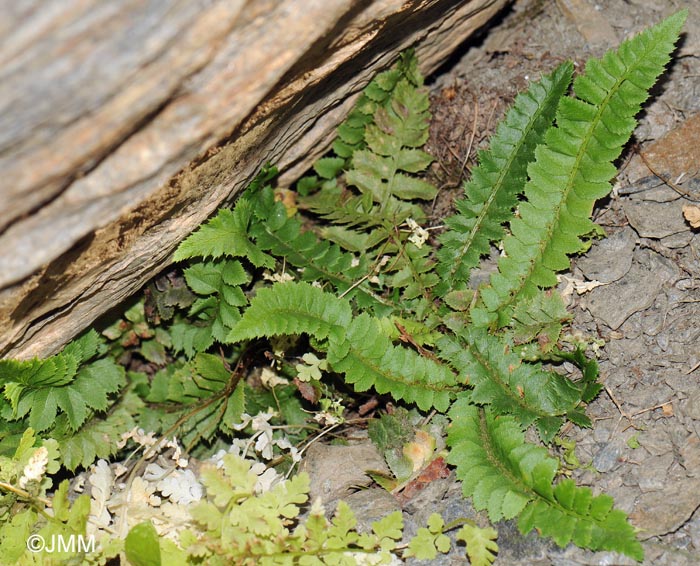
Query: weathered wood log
x,y
125,124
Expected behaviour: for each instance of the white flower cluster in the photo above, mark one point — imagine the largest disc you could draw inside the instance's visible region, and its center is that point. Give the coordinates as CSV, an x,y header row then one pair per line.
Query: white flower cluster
x,y
36,467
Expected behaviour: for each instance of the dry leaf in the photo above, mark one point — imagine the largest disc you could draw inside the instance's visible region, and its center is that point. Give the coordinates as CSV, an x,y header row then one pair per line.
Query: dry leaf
x,y
691,212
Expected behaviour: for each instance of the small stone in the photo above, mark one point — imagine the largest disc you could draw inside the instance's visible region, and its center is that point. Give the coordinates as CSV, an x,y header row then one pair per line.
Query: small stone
x,y
609,259
331,476
608,458
656,219
370,505
635,292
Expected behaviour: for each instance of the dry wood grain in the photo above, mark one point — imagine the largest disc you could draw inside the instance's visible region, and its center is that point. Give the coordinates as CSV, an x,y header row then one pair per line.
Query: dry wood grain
x,y
125,124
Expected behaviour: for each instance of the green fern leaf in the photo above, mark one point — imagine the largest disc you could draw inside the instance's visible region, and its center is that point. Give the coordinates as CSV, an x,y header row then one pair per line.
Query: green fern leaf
x,y
38,389
293,308
481,544
572,514
509,478
574,166
226,234
391,142
500,177
369,359
537,323
98,437
510,387
218,284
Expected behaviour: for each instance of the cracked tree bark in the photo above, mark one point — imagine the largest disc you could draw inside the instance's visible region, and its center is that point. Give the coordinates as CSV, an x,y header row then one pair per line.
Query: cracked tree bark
x,y
125,124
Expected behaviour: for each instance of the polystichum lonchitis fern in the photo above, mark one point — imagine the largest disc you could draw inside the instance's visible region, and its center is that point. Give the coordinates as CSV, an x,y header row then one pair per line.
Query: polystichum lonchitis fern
x,y
560,170
573,168
492,192
388,311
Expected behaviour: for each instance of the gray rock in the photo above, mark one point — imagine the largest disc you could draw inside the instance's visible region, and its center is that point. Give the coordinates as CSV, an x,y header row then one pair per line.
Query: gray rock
x,y
371,505
636,291
609,259
338,471
608,457
656,219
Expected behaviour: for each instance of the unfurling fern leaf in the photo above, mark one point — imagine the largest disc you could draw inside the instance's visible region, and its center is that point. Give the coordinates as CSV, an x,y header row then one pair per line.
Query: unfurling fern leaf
x,y
509,478
573,168
492,192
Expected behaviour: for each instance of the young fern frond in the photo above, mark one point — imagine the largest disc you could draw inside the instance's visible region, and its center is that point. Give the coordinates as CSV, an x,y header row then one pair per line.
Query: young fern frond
x,y
510,387
218,306
383,153
509,478
492,192
226,234
572,169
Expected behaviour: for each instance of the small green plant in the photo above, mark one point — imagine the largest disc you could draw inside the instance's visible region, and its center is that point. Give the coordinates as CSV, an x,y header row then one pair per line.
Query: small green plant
x,y
365,293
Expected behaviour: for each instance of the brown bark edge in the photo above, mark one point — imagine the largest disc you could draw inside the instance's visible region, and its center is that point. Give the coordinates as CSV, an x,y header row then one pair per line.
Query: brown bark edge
x,y
125,124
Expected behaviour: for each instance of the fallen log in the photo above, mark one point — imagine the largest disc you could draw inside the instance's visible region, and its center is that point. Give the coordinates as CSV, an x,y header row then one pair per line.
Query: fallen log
x,y
125,124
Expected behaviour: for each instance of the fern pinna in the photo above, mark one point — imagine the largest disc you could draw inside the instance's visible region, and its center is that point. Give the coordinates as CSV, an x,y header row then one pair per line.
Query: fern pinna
x,y
498,180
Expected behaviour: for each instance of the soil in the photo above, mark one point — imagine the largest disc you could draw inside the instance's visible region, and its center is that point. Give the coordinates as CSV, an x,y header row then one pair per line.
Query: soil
x,y
644,299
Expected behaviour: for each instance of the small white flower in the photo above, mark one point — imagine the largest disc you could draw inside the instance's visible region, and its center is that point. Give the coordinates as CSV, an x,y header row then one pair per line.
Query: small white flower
x,y
270,378
418,235
35,468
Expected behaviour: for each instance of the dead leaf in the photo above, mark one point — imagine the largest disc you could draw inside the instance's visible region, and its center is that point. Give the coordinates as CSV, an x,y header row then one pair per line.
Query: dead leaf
x,y
420,450
437,469
691,212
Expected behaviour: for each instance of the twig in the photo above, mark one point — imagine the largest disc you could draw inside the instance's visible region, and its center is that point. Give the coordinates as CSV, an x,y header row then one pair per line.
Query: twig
x,y
691,370
668,182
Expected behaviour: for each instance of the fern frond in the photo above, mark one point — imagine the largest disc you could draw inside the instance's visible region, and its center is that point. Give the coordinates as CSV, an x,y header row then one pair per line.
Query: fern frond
x,y
293,308
510,387
492,192
537,323
508,477
574,166
226,234
369,359
381,142
217,309
99,436
351,133
38,389
382,170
